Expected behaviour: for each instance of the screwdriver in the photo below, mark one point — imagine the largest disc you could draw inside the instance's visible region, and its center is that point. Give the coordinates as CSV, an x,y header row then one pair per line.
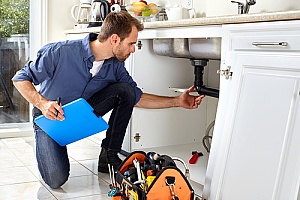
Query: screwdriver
x,y
195,156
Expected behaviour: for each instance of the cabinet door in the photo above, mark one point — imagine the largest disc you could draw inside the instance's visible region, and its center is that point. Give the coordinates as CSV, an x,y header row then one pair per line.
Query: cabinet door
x,y
260,152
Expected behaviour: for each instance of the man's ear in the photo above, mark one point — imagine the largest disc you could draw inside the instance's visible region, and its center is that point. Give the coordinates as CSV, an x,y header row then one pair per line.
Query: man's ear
x,y
114,39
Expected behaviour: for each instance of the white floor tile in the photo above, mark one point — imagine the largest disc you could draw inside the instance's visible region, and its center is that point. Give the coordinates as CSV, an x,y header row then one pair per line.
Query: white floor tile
x,y
84,149
76,169
92,165
2,145
80,187
26,155
84,153
94,197
104,177
18,142
32,191
35,171
86,142
8,159
20,178
16,175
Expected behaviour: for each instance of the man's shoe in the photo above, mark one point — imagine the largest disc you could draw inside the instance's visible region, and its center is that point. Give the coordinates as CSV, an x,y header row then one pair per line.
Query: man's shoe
x,y
108,157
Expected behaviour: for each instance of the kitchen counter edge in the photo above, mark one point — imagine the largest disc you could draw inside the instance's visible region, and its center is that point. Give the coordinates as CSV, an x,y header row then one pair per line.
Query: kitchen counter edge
x,y
218,20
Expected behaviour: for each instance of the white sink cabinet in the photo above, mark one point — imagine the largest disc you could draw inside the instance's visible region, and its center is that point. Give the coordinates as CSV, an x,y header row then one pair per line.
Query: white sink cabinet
x,y
255,151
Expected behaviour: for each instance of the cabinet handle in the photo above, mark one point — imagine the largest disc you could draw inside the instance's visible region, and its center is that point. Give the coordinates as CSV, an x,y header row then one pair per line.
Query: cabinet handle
x,y
137,137
225,72
284,44
139,45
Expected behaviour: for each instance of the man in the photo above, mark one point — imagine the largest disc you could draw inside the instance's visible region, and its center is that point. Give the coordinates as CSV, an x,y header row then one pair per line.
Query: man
x,y
92,68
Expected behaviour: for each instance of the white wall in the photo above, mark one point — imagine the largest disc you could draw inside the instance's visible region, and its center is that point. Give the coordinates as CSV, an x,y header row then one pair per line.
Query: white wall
x,y
221,7
225,7
59,19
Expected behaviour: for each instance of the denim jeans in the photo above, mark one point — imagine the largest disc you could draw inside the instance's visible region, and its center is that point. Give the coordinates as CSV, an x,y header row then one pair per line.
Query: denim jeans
x,y
121,98
53,161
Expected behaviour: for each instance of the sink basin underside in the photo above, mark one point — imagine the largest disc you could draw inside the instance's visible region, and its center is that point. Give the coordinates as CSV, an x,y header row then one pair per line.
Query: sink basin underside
x,y
198,48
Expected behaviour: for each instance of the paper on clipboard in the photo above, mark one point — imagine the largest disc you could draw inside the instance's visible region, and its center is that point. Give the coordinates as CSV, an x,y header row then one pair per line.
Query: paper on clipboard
x,y
80,122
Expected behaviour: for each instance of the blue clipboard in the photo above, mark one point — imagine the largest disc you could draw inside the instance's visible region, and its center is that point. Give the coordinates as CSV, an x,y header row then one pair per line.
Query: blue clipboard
x,y
80,122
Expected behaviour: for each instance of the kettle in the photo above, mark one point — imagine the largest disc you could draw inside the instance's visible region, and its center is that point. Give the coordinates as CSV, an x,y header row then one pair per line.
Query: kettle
x,y
83,13
99,10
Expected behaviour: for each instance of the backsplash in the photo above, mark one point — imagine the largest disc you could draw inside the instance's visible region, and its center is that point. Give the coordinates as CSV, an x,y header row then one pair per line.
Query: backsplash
x,y
207,8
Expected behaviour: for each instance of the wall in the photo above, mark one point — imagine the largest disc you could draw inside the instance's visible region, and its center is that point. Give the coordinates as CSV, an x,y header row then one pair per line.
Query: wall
x,y
225,7
59,19
216,7
59,14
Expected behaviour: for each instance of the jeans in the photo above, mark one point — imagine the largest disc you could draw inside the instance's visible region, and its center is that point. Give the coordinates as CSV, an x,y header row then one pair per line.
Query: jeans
x,y
52,159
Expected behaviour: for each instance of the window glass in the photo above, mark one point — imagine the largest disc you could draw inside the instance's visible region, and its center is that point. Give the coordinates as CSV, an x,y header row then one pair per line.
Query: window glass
x,y
14,53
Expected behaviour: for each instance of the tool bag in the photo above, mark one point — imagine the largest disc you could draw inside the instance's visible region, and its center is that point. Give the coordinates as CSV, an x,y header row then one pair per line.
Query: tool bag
x,y
150,176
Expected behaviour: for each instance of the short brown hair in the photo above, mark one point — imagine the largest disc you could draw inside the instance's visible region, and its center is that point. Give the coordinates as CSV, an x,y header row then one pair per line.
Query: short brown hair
x,y
119,23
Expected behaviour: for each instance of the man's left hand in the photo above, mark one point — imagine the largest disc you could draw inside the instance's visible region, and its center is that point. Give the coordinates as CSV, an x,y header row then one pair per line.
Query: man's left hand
x,y
189,101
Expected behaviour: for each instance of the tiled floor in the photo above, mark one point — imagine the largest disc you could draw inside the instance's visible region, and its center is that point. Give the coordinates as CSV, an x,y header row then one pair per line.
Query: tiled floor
x,y
20,179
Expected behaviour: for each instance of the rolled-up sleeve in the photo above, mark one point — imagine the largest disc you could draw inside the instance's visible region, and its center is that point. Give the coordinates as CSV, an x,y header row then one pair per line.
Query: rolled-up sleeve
x,y
23,74
41,69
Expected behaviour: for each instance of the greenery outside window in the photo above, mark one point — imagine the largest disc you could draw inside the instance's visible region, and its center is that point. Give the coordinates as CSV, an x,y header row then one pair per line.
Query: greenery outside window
x,y
14,53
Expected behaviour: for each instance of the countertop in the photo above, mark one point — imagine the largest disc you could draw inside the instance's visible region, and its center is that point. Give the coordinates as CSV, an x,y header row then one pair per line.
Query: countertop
x,y
218,20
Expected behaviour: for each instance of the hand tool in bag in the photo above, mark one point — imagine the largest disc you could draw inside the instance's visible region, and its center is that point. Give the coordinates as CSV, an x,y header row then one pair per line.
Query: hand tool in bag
x,y
153,165
195,156
113,186
133,195
141,178
128,192
154,160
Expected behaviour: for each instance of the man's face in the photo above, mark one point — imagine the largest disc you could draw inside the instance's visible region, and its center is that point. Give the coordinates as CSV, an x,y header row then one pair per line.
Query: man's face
x,y
124,48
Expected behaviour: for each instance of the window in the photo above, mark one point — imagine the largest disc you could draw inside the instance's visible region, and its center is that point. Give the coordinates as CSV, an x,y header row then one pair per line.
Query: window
x,y
14,53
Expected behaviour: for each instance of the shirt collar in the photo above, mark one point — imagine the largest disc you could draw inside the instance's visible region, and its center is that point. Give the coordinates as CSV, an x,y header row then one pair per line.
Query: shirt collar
x,y
86,45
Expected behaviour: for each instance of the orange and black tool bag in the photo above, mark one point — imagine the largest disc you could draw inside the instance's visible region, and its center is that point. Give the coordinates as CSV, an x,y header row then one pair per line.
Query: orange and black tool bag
x,y
150,176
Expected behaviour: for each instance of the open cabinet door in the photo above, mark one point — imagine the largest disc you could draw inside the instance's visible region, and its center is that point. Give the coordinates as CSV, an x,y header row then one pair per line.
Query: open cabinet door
x,y
259,157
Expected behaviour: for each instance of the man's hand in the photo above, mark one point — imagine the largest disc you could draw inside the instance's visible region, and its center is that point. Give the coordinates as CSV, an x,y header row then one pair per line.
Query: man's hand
x,y
50,109
188,101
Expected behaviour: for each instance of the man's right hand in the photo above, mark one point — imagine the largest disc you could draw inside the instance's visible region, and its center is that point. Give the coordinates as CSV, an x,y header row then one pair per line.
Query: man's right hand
x,y
50,109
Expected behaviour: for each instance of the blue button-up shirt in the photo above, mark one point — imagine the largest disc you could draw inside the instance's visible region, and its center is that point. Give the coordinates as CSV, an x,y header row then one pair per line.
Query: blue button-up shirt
x,y
62,69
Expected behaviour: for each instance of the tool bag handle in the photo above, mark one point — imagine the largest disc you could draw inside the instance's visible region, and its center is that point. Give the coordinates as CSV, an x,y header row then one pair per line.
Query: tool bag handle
x,y
140,155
